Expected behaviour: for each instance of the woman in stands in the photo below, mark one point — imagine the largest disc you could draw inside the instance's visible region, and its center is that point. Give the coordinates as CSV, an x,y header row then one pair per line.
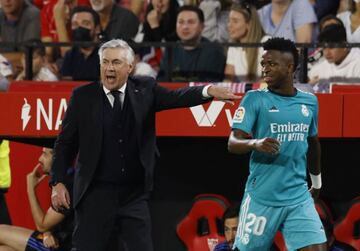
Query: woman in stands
x,y
243,63
351,20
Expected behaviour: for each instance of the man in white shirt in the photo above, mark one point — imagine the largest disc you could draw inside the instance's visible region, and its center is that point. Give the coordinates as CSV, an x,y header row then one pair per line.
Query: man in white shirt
x,y
342,64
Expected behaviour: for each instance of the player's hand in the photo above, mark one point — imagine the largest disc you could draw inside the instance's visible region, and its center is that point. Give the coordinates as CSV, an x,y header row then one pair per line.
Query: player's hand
x,y
60,197
35,177
223,94
315,193
50,241
267,145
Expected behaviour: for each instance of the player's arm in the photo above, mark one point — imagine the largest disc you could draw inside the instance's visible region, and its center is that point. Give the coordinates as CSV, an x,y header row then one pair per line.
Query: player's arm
x,y
43,221
313,162
239,143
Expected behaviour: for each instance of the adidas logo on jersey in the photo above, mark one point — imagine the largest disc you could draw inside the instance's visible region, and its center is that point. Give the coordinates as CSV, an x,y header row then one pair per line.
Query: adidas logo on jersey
x,y
273,109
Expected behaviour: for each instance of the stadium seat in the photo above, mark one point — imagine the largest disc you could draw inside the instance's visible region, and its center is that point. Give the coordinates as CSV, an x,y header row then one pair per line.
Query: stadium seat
x,y
347,229
279,242
202,228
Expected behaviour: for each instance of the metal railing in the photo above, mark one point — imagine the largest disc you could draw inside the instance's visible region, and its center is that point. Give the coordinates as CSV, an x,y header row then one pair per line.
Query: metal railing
x,y
28,47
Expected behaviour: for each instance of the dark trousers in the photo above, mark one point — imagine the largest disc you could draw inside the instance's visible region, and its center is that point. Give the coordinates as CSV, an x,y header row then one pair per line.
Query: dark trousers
x,y
113,218
4,212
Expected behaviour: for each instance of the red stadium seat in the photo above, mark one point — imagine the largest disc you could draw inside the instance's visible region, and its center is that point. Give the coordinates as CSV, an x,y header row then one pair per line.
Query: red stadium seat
x,y
280,242
347,229
202,228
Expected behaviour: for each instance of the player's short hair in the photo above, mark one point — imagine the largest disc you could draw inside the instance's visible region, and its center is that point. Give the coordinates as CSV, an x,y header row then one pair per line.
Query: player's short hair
x,y
231,212
283,45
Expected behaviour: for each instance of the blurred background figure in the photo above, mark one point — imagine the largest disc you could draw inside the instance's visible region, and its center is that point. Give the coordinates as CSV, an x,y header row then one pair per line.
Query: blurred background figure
x,y
216,14
341,64
243,63
190,61
160,22
5,180
19,22
324,7
291,19
159,26
40,66
55,24
82,62
351,20
317,55
115,21
6,73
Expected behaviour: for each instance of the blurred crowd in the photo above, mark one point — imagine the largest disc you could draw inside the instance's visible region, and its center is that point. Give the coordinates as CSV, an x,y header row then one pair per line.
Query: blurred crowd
x,y
199,32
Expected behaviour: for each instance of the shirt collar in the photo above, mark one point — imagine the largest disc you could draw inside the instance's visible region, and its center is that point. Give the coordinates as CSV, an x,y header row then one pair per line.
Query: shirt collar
x,y
121,89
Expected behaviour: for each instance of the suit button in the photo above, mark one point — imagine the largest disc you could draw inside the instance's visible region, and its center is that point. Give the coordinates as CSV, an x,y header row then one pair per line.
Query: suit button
x,y
120,140
122,156
122,170
119,126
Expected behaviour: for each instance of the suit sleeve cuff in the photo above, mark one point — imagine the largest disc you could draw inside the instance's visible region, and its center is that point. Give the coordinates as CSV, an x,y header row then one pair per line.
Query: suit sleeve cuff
x,y
205,93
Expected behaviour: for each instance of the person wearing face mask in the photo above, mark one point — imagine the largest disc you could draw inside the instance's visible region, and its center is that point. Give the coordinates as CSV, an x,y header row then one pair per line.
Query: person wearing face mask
x,y
82,62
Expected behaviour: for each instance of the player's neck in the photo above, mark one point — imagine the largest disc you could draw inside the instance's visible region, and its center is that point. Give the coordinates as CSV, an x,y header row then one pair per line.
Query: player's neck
x,y
287,90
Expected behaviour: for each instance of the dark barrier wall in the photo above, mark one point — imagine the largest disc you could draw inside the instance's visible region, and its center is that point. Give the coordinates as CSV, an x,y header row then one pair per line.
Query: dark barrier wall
x,y
190,166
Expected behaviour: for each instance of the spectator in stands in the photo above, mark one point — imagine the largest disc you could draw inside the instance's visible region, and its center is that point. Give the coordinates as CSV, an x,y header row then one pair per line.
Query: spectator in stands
x,y
5,180
190,61
216,15
291,19
142,68
55,24
243,64
138,7
53,229
231,221
342,64
115,21
329,19
160,23
40,69
6,73
351,20
82,62
324,7
19,22
317,55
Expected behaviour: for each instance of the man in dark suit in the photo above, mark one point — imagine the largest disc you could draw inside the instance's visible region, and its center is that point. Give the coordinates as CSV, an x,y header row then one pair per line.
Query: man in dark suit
x,y
111,126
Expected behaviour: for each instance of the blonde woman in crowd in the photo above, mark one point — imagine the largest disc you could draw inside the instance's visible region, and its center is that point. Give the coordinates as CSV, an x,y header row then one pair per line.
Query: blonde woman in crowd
x,y
243,63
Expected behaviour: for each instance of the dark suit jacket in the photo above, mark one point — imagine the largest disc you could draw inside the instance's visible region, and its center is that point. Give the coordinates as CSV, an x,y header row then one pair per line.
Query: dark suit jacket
x,y
82,128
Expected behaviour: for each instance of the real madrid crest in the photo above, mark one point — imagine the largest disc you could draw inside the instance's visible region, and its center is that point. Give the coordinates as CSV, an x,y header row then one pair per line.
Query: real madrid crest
x,y
305,110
